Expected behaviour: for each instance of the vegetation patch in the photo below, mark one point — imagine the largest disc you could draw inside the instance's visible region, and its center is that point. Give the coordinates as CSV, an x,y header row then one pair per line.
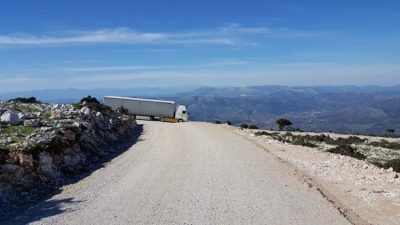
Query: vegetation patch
x,y
23,108
386,144
393,163
253,127
25,100
244,126
349,146
19,130
347,150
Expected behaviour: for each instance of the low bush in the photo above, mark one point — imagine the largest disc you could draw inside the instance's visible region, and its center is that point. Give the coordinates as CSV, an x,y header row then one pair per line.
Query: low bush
x,y
244,126
218,122
262,133
394,163
303,142
386,144
89,99
253,127
229,123
347,150
91,103
25,100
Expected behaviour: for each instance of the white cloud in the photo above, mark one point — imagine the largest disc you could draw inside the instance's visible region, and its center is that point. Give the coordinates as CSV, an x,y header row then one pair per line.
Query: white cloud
x,y
106,68
214,63
229,34
237,28
118,35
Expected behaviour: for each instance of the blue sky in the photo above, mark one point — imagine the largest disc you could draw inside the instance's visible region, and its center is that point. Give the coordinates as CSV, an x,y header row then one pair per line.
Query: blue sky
x,y
92,44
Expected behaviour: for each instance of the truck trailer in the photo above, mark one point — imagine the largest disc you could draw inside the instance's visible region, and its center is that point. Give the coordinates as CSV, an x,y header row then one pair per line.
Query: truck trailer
x,y
167,111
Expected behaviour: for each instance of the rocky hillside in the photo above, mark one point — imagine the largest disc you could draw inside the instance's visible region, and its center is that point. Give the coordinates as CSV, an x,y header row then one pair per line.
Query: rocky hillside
x,y
41,145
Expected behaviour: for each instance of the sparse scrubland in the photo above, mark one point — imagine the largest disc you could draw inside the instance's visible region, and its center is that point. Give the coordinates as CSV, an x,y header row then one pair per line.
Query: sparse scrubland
x,y
382,153
359,174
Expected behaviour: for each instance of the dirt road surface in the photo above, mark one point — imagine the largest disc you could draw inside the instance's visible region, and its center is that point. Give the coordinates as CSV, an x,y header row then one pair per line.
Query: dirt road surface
x,y
187,173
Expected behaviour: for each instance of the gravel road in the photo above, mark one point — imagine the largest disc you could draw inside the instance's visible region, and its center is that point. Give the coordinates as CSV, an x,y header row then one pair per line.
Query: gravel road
x,y
187,173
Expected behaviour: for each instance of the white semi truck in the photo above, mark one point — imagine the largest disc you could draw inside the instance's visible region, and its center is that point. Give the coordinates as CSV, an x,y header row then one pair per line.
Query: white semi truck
x,y
167,111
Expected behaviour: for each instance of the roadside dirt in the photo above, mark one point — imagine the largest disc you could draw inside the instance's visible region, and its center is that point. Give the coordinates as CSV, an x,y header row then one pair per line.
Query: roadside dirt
x,y
370,192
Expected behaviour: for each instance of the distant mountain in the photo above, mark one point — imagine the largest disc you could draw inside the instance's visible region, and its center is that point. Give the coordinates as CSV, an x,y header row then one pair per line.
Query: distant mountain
x,y
345,109
72,95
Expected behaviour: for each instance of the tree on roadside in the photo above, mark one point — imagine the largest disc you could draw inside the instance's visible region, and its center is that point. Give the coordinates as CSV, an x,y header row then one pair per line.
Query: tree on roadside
x,y
390,132
284,123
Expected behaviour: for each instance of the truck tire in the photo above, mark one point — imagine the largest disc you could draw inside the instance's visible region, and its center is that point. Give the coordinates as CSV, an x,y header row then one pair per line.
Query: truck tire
x,y
180,121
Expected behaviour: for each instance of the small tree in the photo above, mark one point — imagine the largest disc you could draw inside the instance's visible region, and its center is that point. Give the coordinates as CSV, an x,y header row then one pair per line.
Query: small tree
x,y
390,132
88,100
218,122
229,122
283,123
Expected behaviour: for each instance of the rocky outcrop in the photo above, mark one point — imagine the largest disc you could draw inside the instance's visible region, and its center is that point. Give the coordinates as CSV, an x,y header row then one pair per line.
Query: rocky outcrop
x,y
42,145
10,117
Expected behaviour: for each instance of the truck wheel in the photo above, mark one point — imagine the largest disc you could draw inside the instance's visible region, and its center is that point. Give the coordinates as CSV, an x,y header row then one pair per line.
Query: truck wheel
x,y
180,121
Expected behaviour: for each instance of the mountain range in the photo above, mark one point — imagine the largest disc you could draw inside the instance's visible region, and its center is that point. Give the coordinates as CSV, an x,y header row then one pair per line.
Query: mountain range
x,y
343,109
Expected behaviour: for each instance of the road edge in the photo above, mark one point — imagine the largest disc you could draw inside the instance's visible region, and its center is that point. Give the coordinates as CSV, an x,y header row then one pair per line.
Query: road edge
x,y
312,183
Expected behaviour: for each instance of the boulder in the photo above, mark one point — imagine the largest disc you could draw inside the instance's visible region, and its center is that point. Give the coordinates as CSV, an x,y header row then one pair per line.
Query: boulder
x,y
10,117
31,123
21,116
85,111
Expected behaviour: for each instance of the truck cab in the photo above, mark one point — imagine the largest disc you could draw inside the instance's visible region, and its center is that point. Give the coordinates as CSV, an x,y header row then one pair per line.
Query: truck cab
x,y
181,114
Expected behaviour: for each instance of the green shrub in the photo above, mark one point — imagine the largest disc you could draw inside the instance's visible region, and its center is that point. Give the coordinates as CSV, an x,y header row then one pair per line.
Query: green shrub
x,y
90,102
218,122
394,163
347,150
244,126
386,144
25,100
253,127
229,123
303,142
262,133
